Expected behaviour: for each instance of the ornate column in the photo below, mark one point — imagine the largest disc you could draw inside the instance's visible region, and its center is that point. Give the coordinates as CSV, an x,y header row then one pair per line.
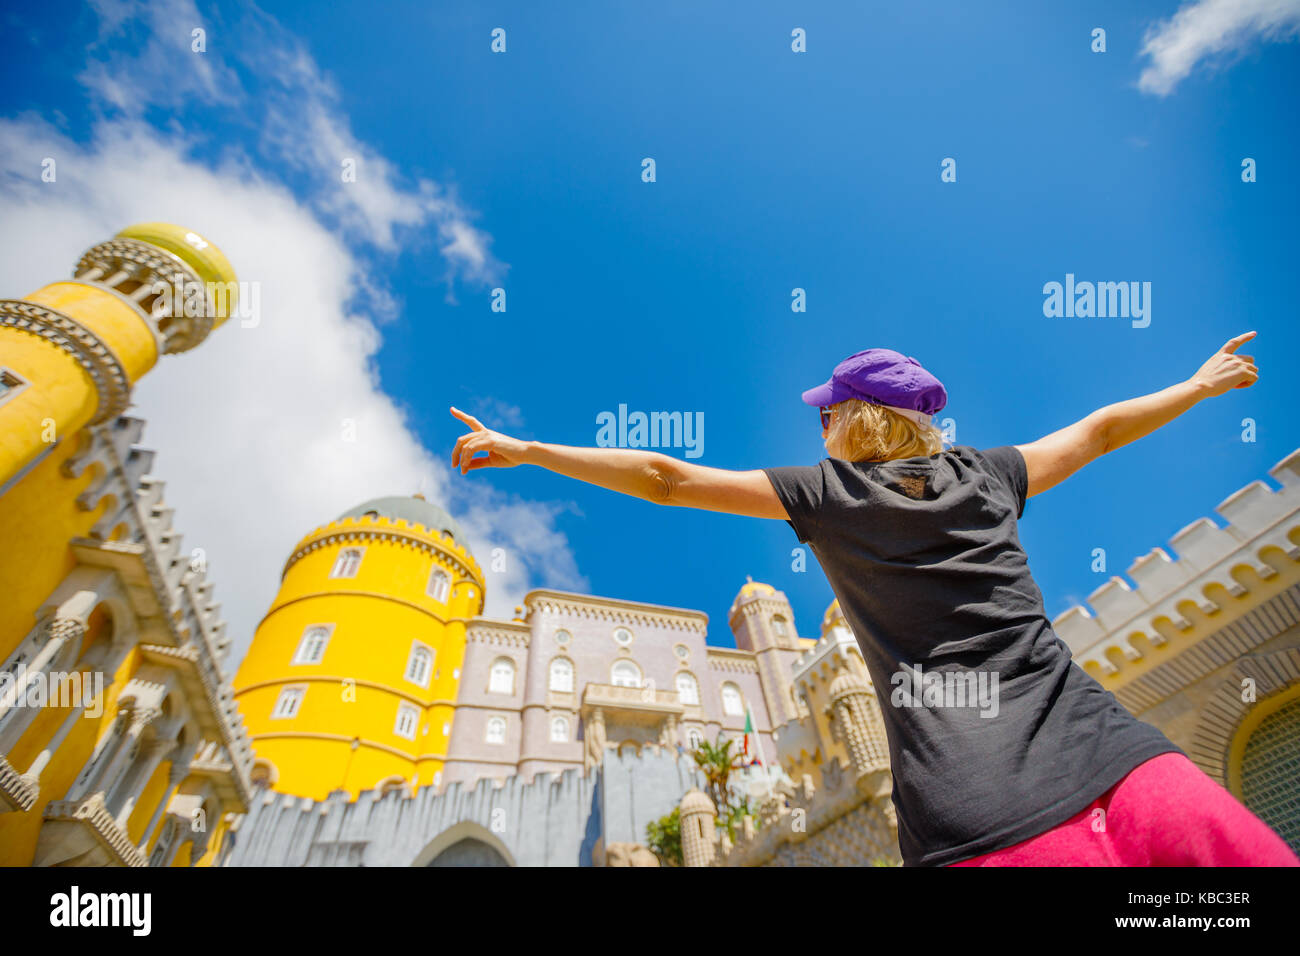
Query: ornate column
x,y
174,778
137,775
33,774
15,717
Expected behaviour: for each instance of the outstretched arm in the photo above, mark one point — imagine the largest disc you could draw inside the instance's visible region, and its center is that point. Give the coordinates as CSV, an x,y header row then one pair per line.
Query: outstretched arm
x,y
641,474
1052,459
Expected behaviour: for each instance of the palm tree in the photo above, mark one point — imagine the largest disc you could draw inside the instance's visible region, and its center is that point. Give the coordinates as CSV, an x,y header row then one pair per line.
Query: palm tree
x,y
717,762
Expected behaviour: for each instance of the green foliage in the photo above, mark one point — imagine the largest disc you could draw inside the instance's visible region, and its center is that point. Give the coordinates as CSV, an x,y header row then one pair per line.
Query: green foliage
x,y
664,838
718,762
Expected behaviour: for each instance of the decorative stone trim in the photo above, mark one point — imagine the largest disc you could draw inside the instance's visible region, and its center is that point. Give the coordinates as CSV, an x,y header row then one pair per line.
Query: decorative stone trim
x,y
16,791
732,661
96,359
1216,650
498,634
766,606
1224,712
151,551
94,816
615,611
393,535
148,264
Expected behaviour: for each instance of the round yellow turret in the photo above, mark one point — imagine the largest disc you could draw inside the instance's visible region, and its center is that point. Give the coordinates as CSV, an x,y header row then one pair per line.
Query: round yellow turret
x,y
351,680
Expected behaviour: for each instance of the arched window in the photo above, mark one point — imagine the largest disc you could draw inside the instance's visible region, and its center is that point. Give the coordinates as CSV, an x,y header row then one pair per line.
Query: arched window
x,y
625,674
688,690
732,702
562,675
311,648
347,563
496,730
287,704
778,626
502,680
419,664
439,585
407,718
694,738
559,730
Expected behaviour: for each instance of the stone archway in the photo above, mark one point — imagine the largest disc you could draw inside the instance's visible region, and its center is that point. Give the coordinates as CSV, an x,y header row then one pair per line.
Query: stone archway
x,y
465,844
468,852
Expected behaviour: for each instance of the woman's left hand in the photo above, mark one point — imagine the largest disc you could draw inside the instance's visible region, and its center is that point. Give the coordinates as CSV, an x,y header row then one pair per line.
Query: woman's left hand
x,y
502,450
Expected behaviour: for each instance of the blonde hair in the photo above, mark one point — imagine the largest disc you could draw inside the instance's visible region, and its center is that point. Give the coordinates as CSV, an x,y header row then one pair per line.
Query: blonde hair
x,y
861,431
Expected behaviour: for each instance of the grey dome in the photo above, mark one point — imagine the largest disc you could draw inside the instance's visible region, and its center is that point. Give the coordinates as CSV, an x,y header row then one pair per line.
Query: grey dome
x,y
415,510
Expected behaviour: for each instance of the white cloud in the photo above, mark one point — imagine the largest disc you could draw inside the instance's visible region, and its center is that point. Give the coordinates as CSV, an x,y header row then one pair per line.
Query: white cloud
x,y
250,426
1207,28
295,106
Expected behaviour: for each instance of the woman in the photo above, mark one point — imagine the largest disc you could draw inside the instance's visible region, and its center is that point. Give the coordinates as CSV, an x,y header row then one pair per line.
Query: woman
x,y
1003,751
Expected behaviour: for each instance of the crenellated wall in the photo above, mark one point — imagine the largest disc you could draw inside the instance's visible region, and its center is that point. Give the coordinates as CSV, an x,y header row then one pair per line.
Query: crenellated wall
x,y
562,819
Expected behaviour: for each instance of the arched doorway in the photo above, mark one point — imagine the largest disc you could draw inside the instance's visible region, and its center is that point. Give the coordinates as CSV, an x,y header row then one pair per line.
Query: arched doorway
x,y
468,852
1268,777
465,844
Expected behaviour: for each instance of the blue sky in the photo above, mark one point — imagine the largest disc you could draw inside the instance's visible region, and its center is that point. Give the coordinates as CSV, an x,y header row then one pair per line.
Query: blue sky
x,y
775,171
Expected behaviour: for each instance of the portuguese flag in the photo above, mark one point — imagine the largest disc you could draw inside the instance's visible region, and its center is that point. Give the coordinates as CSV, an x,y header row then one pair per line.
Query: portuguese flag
x,y
750,735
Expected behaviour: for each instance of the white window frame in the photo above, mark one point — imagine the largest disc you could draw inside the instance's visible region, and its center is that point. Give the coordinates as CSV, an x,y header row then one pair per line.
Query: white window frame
x,y
443,579
550,676
492,677
562,641
694,737
780,626
17,384
625,663
740,700
560,721
695,688
410,714
622,630
295,693
416,648
360,552
300,655
495,722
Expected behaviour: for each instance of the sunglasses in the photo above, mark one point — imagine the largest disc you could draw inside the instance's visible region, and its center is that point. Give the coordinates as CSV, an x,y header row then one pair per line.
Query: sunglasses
x,y
826,419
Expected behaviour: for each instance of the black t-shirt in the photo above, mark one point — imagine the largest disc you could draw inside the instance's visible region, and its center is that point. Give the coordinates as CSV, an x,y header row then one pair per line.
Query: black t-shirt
x,y
995,734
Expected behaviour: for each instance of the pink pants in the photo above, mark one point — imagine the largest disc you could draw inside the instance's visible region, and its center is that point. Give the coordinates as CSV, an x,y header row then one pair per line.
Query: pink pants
x,y
1165,812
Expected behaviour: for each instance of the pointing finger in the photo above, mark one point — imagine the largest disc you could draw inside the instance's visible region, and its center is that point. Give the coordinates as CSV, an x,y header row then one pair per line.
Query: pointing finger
x,y
468,419
1235,343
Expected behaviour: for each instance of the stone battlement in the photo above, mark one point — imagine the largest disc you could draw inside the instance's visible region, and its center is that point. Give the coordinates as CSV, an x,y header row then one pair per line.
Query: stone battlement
x,y
1260,522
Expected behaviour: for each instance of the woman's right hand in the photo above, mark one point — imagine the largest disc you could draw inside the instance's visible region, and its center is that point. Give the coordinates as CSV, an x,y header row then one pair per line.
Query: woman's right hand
x,y
502,450
1225,369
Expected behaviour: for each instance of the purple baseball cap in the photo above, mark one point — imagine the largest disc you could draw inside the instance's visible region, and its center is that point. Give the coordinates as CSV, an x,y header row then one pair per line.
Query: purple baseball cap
x,y
883,377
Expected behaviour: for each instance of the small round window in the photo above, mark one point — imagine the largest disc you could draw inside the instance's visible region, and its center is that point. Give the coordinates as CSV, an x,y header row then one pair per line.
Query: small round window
x,y
623,636
681,651
562,637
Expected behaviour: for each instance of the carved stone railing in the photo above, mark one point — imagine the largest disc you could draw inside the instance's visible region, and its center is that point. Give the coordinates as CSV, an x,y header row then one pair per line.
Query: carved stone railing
x,y
91,814
16,791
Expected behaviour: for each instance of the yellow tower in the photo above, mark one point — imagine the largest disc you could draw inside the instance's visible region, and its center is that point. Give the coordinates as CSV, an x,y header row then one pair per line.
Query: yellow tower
x,y
92,592
69,355
351,680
